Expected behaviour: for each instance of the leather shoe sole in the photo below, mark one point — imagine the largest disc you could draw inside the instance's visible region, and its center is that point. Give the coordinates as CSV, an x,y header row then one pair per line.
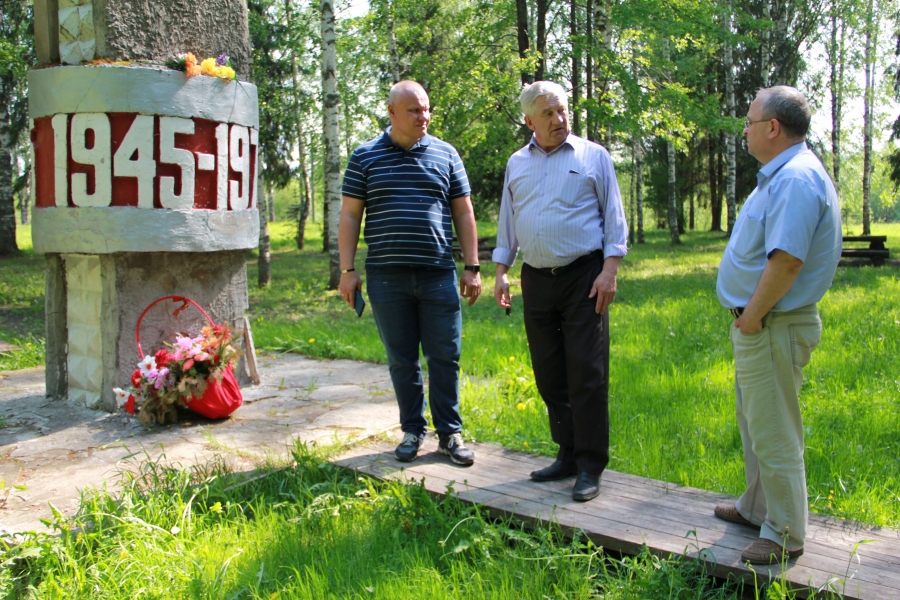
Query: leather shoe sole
x,y
766,552
587,487
558,470
729,512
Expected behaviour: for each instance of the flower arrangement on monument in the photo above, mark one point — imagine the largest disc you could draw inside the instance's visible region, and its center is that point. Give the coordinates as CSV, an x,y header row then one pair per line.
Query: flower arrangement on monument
x,y
180,376
214,67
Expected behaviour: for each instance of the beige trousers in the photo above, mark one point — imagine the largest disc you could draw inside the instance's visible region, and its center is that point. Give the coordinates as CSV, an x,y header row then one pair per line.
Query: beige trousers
x,y
768,375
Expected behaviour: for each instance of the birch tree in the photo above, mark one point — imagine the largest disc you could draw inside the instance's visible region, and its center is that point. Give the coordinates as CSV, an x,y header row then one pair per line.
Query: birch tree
x,y
872,25
331,135
730,154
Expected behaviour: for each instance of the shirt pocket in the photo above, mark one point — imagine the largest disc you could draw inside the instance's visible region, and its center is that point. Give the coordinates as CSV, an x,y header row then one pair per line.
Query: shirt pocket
x,y
575,188
750,238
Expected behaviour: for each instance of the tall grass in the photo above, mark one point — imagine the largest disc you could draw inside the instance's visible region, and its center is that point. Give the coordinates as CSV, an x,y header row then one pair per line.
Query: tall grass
x,y
312,531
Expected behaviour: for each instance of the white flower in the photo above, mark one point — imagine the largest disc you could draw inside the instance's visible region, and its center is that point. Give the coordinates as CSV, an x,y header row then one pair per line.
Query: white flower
x,y
147,365
121,397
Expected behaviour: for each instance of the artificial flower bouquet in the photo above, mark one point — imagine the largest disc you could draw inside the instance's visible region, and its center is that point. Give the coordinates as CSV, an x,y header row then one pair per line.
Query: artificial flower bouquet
x,y
194,372
214,67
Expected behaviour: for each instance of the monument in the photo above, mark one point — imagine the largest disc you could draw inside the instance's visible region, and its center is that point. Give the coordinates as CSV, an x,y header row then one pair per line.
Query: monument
x,y
145,179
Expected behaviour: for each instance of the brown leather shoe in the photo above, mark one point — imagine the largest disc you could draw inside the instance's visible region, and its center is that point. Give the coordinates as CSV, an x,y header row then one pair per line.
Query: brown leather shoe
x,y
766,552
729,512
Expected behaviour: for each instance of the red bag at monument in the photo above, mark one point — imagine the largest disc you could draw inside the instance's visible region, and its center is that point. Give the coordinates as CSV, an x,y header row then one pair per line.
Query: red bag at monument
x,y
220,399
222,395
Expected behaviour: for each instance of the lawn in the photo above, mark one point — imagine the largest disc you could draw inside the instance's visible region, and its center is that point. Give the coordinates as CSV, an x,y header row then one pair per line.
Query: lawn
x,y
312,531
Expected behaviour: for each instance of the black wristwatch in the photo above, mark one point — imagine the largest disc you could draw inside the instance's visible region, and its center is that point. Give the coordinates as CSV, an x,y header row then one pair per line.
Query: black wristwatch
x,y
473,268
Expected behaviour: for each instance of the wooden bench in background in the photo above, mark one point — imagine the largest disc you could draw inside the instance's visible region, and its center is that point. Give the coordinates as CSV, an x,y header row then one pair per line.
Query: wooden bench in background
x,y
876,252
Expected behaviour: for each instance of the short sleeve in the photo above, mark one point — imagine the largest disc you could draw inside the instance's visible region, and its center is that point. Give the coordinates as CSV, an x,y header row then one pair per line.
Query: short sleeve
x,y
459,180
793,211
355,185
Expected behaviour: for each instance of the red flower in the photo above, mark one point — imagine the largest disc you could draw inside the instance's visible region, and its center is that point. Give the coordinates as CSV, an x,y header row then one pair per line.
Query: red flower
x,y
162,358
136,378
217,359
129,405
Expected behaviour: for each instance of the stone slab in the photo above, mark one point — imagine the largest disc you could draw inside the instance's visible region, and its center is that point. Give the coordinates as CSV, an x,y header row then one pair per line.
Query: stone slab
x,y
51,449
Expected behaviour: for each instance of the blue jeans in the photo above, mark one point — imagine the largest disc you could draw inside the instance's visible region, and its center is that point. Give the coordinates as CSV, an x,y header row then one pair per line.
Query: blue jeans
x,y
414,307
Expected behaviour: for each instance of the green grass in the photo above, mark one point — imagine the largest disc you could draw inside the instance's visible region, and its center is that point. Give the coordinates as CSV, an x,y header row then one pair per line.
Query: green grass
x,y
671,389
313,531
22,305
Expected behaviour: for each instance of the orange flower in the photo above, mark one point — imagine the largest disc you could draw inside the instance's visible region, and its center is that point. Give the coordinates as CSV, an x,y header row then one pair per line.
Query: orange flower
x,y
190,65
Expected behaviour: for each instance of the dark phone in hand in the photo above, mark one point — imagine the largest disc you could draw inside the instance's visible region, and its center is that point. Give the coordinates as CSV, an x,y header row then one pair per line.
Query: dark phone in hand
x,y
358,303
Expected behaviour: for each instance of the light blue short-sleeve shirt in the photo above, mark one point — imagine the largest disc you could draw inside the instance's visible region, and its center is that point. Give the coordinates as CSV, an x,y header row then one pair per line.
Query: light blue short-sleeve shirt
x,y
794,209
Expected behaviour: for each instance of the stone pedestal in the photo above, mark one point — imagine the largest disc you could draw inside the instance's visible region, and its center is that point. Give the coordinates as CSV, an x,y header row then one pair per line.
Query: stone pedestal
x,y
145,186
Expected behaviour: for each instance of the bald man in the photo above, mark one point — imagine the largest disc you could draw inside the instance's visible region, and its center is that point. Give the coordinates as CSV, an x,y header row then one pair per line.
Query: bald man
x,y
411,186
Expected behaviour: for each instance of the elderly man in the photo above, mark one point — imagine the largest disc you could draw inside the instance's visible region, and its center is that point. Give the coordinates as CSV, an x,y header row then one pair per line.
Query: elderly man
x,y
779,262
410,186
561,205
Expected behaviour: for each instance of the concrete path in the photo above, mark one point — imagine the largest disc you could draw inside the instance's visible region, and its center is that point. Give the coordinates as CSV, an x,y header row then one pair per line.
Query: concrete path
x,y
51,449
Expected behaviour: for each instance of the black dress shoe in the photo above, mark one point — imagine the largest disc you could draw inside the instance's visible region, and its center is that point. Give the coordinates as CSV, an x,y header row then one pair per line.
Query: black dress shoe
x,y
587,487
558,470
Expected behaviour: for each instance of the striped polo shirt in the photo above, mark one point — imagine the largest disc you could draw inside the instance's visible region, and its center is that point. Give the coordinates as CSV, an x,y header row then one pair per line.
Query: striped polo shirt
x,y
407,195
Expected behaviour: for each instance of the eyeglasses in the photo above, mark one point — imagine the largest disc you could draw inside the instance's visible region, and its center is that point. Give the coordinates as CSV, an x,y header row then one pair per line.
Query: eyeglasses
x,y
748,122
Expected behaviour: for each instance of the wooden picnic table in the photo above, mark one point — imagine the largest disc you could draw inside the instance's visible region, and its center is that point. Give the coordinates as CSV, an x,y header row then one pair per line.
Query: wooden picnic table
x,y
876,252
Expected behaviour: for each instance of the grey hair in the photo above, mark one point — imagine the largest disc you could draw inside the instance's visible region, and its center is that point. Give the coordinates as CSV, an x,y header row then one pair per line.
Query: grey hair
x,y
548,89
789,107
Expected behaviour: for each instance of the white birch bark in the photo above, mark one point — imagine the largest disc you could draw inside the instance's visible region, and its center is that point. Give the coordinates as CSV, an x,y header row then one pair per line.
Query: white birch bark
x,y
869,100
730,152
331,136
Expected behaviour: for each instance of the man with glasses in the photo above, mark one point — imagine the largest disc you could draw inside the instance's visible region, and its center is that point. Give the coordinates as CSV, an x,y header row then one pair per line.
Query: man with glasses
x,y
779,262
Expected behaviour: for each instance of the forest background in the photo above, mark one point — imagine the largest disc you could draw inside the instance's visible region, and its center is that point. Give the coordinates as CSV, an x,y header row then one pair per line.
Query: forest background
x,y
664,84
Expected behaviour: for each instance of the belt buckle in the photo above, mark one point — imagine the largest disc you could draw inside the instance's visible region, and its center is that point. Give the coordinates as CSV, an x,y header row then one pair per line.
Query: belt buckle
x,y
737,312
553,270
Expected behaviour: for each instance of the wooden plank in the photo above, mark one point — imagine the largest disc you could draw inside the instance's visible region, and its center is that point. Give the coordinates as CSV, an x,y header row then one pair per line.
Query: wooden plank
x,y
864,238
632,511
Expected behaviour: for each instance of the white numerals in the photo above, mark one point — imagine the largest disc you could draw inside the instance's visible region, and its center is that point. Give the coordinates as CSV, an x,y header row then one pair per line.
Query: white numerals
x,y
240,162
60,124
222,162
97,155
168,153
134,158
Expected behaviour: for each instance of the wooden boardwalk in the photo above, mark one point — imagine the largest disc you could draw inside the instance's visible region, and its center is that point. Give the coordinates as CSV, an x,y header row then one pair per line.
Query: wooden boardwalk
x,y
633,511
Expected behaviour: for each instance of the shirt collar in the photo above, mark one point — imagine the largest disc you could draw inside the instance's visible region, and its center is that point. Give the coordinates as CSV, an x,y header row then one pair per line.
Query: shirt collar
x,y
570,141
779,161
386,140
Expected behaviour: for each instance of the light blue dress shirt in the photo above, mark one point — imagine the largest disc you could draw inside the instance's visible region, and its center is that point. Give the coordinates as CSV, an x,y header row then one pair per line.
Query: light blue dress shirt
x,y
560,205
794,208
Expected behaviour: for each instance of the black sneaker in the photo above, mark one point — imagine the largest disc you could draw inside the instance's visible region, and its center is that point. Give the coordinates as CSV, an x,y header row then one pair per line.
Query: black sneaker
x,y
453,446
409,447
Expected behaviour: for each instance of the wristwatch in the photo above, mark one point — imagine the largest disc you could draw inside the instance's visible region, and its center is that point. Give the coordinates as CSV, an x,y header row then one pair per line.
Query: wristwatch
x,y
473,268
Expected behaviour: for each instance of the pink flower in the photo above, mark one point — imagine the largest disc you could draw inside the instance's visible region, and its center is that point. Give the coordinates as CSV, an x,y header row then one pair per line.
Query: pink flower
x,y
188,364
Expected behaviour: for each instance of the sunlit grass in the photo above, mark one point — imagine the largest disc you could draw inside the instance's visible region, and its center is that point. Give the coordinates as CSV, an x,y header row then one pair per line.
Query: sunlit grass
x,y
313,531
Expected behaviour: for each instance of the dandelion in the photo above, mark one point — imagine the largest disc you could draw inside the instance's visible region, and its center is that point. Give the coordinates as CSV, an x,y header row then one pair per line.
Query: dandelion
x,y
312,340
520,406
512,359
525,444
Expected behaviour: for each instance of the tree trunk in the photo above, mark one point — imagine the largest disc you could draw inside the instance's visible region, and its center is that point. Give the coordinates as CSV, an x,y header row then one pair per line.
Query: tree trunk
x,y
715,199
765,48
576,67
332,142
541,17
631,194
639,187
869,101
589,69
305,200
730,153
522,31
673,196
7,203
392,44
837,58
264,264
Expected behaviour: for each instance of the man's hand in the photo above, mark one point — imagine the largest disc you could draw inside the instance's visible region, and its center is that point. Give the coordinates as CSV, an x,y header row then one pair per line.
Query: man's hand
x,y
350,282
470,286
501,287
604,288
747,325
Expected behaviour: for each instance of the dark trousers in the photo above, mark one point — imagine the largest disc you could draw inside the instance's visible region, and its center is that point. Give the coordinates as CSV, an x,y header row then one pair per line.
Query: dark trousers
x,y
569,345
